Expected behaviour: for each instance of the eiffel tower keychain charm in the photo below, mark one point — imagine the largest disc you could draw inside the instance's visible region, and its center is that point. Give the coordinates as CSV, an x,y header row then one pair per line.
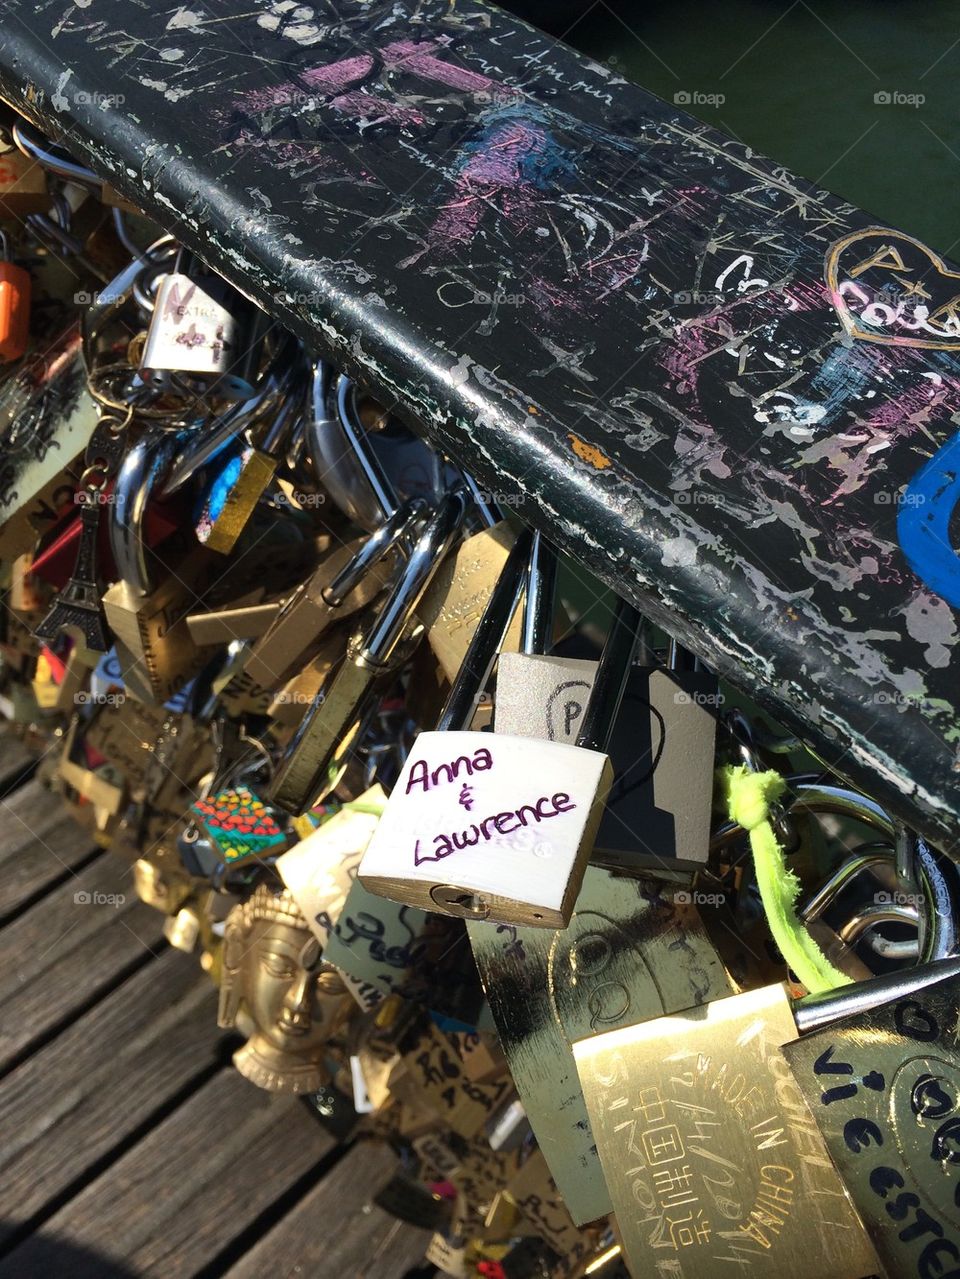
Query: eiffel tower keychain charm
x,y
78,607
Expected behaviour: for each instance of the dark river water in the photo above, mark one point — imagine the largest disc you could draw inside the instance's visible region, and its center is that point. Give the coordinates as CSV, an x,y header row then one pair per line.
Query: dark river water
x,y
860,96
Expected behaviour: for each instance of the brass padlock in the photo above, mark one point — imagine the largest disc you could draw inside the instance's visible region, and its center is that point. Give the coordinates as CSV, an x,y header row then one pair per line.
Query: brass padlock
x,y
244,476
709,1149
457,596
347,580
317,755
631,951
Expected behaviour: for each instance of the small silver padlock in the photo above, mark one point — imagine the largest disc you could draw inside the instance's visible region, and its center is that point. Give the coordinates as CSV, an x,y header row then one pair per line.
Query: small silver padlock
x,y
484,826
201,331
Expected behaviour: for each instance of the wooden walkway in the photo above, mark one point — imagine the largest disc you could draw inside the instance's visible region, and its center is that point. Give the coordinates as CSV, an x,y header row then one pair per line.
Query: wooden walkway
x,y
128,1144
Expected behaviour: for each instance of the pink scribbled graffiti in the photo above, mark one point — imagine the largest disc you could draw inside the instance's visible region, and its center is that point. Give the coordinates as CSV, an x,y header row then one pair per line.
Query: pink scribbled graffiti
x,y
419,59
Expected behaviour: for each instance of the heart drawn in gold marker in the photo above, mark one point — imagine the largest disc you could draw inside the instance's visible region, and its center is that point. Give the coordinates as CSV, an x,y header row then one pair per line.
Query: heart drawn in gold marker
x,y
888,287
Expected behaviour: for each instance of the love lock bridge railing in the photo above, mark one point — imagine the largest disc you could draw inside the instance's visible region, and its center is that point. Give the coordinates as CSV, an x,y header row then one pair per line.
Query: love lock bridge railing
x,y
729,395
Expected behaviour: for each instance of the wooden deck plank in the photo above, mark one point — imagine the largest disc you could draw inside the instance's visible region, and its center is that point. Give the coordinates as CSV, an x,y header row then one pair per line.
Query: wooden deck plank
x,y
14,759
64,920
59,1111
62,952
40,843
175,1200
365,1242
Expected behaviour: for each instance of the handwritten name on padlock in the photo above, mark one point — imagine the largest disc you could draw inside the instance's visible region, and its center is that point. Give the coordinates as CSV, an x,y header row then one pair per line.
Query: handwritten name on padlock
x,y
509,819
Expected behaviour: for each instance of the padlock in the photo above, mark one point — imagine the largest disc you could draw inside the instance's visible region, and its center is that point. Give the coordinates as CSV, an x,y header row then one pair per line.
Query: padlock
x,y
14,305
320,869
347,580
521,857
46,421
457,596
316,757
883,1083
344,464
721,1157
443,1086
242,481
238,622
156,652
657,815
631,951
202,332
535,1193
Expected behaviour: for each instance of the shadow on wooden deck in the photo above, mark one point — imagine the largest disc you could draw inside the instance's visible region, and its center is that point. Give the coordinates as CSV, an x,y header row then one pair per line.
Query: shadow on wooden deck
x,y
129,1146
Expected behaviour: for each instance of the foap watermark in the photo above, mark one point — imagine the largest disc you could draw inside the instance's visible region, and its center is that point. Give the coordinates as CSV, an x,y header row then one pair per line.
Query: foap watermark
x,y
504,499
897,98
694,897
306,500
309,297
85,898
697,698
88,698
897,898
696,98
899,497
499,298
697,497
696,297
99,99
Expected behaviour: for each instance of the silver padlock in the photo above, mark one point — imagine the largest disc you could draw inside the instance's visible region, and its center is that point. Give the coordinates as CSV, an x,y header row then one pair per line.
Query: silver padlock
x,y
342,460
487,826
657,817
202,333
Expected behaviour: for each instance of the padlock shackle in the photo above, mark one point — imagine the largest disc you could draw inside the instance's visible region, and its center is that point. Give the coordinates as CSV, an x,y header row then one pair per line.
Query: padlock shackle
x,y
610,681
208,439
814,1011
35,147
392,533
487,639
392,622
540,597
144,465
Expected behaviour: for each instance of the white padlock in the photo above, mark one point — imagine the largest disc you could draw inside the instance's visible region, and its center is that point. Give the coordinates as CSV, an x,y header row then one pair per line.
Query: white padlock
x,y
488,826
499,827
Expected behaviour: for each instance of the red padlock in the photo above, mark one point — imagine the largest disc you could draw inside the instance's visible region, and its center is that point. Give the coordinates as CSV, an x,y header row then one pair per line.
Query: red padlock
x,y
14,307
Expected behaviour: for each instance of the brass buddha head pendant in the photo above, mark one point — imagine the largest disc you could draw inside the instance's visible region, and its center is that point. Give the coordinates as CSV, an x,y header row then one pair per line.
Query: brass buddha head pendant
x,y
272,969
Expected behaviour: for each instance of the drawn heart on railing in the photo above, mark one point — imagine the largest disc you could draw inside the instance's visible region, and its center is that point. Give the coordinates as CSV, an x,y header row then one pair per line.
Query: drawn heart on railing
x,y
888,287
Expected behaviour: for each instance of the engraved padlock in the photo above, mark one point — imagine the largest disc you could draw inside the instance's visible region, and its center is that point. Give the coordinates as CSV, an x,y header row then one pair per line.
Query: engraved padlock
x,y
202,333
318,753
481,826
454,604
347,580
883,1084
631,951
711,1100
46,421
